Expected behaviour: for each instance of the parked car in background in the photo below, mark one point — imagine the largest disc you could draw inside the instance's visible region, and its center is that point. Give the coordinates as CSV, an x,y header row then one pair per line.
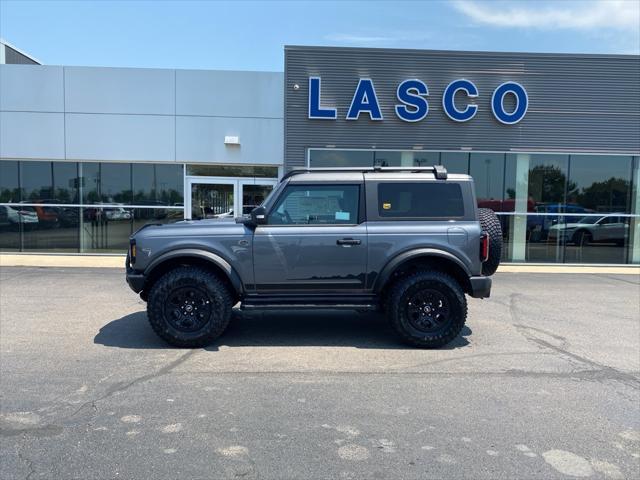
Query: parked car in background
x,y
13,216
539,225
54,216
103,214
591,229
48,217
117,213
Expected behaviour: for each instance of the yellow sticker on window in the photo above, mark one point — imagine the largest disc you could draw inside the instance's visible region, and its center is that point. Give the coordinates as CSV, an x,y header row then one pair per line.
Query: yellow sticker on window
x,y
386,206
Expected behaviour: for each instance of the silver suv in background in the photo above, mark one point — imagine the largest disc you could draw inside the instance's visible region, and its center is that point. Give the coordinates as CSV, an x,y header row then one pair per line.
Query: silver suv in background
x,y
410,242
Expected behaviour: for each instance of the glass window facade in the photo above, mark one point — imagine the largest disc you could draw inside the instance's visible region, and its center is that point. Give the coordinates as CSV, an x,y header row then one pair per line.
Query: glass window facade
x,y
554,208
84,207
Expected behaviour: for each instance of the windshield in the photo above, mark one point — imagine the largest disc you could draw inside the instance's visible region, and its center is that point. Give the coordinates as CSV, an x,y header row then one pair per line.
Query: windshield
x,y
266,203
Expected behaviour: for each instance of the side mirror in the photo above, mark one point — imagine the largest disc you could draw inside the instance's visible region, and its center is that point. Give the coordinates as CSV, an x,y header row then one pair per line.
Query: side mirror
x,y
259,216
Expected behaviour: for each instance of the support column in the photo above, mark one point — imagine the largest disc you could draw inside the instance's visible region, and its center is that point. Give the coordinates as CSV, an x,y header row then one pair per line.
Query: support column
x,y
519,222
634,224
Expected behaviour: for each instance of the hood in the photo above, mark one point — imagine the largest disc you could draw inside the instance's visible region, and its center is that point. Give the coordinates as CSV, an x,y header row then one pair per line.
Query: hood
x,y
569,226
212,226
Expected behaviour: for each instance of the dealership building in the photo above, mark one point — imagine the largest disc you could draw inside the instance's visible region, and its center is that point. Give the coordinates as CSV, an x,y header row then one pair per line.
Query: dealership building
x,y
88,155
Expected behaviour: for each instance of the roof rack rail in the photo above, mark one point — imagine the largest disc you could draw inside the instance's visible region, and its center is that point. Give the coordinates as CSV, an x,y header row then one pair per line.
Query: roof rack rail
x,y
439,171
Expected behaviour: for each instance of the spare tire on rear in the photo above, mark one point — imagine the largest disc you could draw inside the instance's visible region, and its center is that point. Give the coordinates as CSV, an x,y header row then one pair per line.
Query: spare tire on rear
x,y
491,225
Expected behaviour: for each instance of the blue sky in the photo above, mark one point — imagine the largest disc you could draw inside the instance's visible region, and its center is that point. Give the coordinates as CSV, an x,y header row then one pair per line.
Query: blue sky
x,y
245,35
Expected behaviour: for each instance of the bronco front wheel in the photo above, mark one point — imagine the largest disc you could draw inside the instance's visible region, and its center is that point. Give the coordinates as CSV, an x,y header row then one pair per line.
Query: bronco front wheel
x,y
189,307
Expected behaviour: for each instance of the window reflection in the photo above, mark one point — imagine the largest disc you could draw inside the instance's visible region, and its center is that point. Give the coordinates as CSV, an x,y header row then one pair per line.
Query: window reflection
x,y
106,183
115,183
14,219
547,179
51,229
157,184
487,170
90,181
600,183
106,229
65,182
406,158
455,162
340,158
49,182
9,188
36,180
539,247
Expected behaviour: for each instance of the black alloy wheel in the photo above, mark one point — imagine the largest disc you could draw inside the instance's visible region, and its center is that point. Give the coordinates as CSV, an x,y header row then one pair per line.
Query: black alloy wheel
x,y
187,309
428,310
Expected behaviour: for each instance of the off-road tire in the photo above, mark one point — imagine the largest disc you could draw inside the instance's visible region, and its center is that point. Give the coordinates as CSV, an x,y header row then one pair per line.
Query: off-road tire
x,y
406,287
207,282
491,225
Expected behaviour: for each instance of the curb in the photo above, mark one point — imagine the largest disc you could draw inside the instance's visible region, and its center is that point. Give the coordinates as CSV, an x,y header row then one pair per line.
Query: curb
x,y
74,261
117,261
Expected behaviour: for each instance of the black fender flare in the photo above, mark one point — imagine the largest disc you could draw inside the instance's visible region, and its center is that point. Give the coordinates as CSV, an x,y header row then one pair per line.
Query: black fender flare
x,y
403,257
206,255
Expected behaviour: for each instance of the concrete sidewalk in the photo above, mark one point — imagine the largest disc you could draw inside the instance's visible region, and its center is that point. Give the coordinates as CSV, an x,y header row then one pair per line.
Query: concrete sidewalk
x,y
117,261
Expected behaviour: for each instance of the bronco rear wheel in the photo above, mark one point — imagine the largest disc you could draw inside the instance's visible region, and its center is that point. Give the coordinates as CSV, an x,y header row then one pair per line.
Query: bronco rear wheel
x,y
427,309
189,307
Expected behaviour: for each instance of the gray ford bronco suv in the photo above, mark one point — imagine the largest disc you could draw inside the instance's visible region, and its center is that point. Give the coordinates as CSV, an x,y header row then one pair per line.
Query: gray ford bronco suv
x,y
408,241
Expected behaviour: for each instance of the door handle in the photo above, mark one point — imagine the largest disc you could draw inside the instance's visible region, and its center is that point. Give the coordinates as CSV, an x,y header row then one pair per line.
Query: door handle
x,y
348,241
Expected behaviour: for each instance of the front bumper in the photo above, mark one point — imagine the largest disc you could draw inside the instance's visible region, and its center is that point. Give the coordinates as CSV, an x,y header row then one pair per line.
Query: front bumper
x,y
480,287
135,279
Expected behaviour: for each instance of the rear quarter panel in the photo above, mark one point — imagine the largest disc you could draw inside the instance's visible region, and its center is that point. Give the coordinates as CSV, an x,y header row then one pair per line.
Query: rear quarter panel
x,y
389,238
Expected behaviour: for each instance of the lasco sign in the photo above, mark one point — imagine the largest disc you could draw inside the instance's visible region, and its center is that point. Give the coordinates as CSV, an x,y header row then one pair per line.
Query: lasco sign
x,y
412,103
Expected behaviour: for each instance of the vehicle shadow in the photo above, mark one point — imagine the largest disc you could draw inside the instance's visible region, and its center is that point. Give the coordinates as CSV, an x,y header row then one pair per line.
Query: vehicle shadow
x,y
275,328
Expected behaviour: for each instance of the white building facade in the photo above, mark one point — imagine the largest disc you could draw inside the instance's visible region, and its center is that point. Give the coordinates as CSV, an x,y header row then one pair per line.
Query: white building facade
x,y
87,155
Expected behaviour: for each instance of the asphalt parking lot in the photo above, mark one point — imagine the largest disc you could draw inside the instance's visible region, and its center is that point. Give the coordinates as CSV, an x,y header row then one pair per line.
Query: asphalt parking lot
x,y
543,383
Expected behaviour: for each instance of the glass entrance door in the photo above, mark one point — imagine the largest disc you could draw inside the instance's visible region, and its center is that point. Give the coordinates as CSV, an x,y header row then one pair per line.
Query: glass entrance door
x,y
212,200
253,193
222,197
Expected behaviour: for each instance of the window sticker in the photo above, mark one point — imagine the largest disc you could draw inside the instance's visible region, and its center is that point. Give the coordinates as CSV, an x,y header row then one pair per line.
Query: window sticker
x,y
386,206
343,216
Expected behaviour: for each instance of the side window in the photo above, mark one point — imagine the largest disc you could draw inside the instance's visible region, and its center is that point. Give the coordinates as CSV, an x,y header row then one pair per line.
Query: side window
x,y
420,200
316,204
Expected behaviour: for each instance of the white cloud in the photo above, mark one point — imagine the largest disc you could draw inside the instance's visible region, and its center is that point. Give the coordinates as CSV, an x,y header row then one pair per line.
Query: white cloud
x,y
348,38
389,38
579,15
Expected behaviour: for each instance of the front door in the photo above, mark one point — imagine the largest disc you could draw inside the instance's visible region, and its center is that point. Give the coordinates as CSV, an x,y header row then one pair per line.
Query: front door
x,y
220,197
314,241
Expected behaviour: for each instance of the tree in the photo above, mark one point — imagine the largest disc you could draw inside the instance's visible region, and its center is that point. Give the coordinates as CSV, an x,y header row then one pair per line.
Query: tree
x,y
608,195
547,184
